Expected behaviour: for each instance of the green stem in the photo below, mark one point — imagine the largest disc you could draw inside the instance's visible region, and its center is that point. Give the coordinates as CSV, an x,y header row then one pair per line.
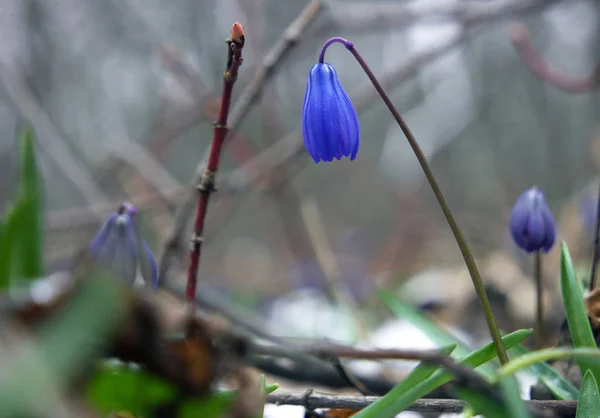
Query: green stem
x,y
458,235
539,312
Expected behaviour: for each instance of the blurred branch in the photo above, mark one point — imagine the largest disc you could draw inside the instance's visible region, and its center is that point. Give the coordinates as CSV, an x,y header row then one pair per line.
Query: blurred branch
x,y
362,15
147,166
50,139
315,401
520,38
288,40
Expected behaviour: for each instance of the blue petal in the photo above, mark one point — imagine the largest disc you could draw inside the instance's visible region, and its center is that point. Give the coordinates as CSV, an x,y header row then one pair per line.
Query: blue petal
x,y
518,219
550,229
329,123
151,261
531,223
534,232
102,234
115,248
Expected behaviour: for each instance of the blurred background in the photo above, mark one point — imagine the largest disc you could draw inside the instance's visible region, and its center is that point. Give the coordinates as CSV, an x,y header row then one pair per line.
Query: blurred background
x,y
122,95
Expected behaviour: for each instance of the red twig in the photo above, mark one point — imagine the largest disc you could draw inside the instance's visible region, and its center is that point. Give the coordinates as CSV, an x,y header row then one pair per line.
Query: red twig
x,y
520,38
207,184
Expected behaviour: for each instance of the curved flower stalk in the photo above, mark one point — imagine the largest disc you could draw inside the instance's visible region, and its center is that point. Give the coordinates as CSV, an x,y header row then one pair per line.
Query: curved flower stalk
x,y
117,250
326,107
533,229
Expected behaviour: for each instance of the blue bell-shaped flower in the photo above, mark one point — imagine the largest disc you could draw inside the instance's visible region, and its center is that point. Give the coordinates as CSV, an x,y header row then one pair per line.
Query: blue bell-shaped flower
x,y
329,123
531,223
115,248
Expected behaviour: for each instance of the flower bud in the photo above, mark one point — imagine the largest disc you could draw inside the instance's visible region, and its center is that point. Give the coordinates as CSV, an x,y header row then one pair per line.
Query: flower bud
x,y
531,223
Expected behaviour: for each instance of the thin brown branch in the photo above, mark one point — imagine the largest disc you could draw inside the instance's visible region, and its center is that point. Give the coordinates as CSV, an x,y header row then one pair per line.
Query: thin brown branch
x,y
207,184
520,38
288,40
315,401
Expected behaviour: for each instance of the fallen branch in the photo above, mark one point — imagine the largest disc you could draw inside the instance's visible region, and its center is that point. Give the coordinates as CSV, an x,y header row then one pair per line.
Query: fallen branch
x,y
315,401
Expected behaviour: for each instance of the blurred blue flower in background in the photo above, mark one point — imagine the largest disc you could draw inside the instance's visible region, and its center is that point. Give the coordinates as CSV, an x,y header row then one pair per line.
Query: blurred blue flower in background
x,y
531,223
116,248
329,123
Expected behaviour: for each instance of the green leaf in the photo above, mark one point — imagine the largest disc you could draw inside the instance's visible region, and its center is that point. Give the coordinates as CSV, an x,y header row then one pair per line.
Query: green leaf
x,y
215,405
434,331
120,387
26,235
385,407
5,254
126,388
262,384
515,406
396,404
589,399
65,342
560,387
489,408
590,355
577,318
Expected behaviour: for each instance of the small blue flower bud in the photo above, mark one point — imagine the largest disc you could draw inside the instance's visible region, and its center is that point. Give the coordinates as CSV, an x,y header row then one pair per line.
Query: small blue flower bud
x,y
531,223
329,123
115,247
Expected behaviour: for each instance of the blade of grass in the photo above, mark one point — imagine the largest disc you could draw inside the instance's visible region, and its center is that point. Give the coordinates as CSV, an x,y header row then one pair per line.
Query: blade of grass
x,y
590,355
262,384
439,335
515,406
29,257
438,378
560,387
589,399
6,253
405,311
384,407
489,408
577,318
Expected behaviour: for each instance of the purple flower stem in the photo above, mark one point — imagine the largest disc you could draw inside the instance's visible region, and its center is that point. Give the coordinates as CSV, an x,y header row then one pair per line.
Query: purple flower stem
x,y
437,191
539,311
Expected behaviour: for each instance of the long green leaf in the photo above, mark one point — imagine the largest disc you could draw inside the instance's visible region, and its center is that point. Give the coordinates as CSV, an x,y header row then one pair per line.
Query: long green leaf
x,y
262,386
590,355
512,398
5,254
438,378
589,399
27,244
560,387
434,331
489,408
577,318
385,407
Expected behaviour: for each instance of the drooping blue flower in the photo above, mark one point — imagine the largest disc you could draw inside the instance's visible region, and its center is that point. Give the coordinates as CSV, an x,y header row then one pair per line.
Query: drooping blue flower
x,y
329,123
115,248
531,223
